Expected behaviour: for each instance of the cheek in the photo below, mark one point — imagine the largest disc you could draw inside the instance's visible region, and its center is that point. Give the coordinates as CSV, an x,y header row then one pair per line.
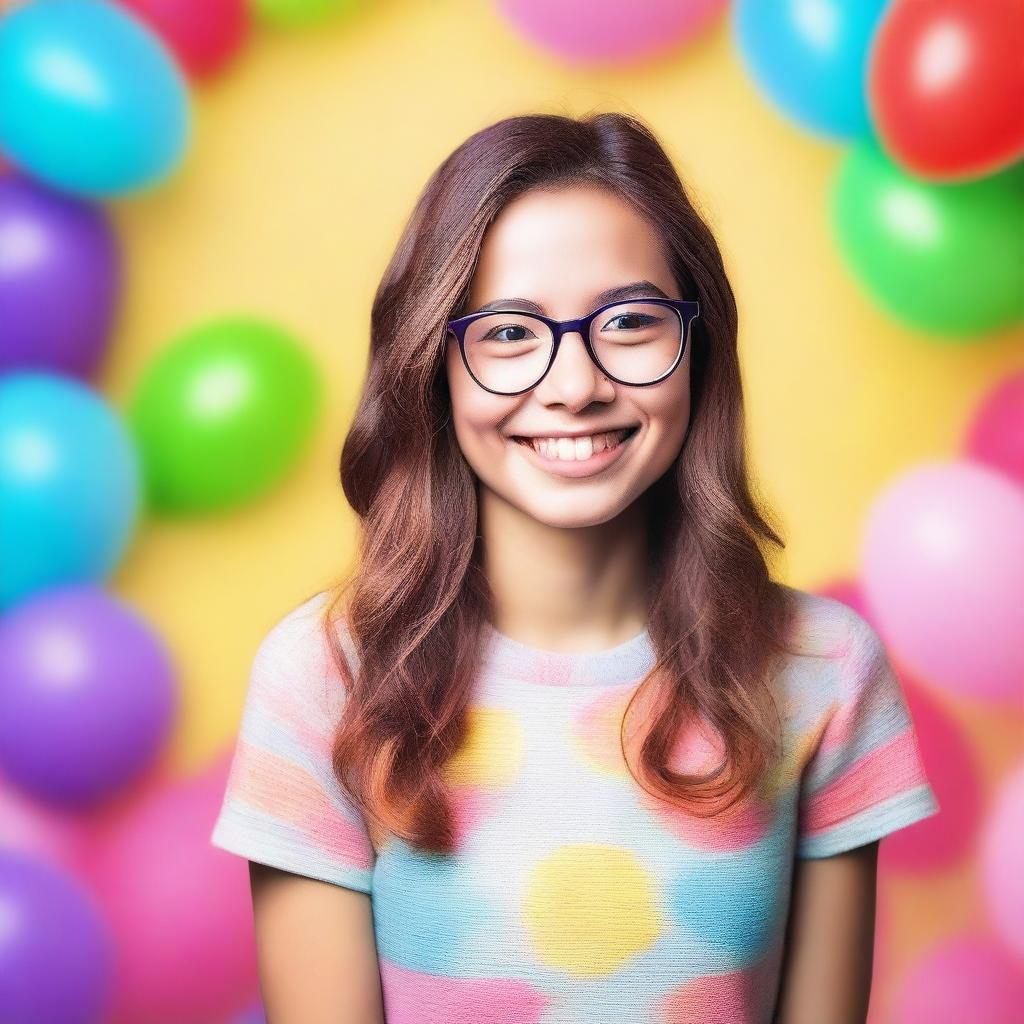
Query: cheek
x,y
476,414
666,408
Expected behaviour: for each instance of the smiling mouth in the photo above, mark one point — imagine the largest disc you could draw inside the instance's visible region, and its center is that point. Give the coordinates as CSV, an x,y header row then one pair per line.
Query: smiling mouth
x,y
577,449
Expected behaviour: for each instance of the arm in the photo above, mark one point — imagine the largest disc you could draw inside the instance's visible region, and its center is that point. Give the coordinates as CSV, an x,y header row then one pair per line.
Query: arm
x,y
826,971
316,950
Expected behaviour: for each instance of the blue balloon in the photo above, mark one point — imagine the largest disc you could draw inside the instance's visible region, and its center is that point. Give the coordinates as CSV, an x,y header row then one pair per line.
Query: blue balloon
x,y
91,101
810,58
70,485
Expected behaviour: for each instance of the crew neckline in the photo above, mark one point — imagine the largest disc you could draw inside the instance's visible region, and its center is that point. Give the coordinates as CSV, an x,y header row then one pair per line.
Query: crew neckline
x,y
625,662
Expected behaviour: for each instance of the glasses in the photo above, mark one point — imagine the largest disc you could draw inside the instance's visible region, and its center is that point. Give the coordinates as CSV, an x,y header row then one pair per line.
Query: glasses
x,y
638,342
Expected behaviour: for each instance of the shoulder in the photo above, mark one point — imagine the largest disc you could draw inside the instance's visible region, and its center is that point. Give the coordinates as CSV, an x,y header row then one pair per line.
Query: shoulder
x,y
826,627
837,653
295,657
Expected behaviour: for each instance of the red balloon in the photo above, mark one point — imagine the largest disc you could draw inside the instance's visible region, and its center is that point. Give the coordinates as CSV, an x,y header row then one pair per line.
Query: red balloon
x,y
945,86
202,34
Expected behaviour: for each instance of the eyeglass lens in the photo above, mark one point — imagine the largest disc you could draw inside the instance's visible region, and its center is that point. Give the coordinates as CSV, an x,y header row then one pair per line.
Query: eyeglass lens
x,y
636,342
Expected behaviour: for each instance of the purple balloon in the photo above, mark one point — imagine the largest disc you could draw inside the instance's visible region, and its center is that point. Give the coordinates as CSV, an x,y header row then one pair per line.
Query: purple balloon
x,y
87,695
59,279
56,955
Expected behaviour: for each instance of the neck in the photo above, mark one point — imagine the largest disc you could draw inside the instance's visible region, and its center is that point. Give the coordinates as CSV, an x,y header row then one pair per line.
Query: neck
x,y
559,587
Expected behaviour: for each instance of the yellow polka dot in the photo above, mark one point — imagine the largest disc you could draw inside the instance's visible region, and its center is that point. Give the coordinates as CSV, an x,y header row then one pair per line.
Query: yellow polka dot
x,y
589,907
492,751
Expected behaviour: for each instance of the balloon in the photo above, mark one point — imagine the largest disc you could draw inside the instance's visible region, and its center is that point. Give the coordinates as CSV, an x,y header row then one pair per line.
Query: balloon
x,y
946,86
60,278
203,34
948,259
222,413
810,58
93,102
70,485
293,13
996,433
942,568
947,838
1002,854
87,695
55,952
967,978
183,927
581,32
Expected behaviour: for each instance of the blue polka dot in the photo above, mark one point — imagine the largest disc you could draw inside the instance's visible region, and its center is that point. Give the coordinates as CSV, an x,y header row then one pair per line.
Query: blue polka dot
x,y
427,914
733,902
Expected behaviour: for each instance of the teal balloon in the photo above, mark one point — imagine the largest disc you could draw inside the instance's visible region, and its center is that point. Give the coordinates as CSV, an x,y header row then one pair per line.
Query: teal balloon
x,y
70,485
222,414
946,258
91,101
810,59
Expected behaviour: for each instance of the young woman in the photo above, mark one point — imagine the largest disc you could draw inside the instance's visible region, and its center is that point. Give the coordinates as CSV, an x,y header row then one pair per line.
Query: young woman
x,y
561,751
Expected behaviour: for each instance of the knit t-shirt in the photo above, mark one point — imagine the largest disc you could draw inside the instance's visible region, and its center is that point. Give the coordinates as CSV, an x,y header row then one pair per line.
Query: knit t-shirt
x,y
573,896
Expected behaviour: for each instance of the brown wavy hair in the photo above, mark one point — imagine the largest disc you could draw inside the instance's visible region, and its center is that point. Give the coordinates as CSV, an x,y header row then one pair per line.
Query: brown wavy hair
x,y
415,606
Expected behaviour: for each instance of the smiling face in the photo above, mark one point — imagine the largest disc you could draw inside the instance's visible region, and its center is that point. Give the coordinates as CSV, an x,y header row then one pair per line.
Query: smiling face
x,y
563,250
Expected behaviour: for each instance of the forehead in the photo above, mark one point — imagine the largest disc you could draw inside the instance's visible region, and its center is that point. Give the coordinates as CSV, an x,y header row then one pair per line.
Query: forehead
x,y
562,247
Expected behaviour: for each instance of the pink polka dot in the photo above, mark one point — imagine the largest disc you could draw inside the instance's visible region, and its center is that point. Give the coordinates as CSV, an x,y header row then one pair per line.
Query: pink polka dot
x,y
412,997
739,997
470,805
699,748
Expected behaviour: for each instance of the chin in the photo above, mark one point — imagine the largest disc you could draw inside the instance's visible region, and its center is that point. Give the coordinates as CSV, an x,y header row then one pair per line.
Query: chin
x,y
575,515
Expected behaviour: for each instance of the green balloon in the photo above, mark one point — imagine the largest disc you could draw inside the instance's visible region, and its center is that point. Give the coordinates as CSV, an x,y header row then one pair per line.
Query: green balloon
x,y
946,258
222,413
287,13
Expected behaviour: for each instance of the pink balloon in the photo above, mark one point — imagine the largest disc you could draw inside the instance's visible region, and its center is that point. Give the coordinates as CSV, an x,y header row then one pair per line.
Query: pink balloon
x,y
966,979
947,837
179,909
1002,861
581,31
942,569
996,434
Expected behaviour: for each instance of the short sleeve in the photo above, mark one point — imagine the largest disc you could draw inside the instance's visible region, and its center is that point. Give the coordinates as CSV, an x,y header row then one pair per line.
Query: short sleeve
x,y
865,777
282,804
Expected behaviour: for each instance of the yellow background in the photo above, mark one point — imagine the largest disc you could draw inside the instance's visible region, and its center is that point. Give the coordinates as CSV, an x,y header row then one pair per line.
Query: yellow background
x,y
306,158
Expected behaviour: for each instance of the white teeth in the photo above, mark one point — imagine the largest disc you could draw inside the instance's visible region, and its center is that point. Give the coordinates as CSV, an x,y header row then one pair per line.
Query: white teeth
x,y
576,449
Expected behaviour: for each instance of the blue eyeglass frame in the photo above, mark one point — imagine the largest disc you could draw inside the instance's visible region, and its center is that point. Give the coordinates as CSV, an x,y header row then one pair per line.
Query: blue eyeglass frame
x,y
687,309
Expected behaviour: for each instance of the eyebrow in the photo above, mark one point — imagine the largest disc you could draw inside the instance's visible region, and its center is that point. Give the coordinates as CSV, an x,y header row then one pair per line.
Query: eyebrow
x,y
633,290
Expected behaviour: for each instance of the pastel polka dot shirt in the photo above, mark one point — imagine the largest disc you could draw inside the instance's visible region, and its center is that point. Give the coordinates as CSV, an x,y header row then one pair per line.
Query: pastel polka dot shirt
x,y
573,897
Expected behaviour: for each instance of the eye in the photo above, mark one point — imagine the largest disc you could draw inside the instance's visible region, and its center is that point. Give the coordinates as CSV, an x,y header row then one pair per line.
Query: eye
x,y
640,320
493,333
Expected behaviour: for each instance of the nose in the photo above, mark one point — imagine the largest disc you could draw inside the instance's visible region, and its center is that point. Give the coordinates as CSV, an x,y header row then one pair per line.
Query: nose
x,y
574,380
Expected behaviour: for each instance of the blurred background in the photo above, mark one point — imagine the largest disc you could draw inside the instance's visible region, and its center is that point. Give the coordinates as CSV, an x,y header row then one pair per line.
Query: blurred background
x,y
197,199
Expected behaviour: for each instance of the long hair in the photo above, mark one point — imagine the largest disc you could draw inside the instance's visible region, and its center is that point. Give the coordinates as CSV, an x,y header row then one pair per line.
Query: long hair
x,y
415,607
